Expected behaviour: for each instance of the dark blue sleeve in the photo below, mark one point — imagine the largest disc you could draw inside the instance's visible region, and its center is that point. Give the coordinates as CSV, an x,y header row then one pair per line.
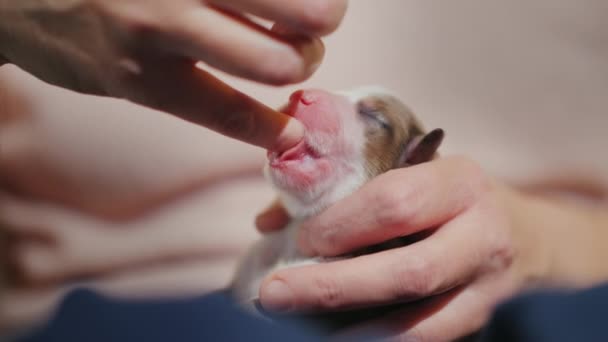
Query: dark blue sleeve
x,y
552,316
87,316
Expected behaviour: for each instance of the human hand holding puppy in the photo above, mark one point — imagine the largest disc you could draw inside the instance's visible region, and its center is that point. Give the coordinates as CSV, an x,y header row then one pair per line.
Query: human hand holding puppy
x,y
145,51
478,242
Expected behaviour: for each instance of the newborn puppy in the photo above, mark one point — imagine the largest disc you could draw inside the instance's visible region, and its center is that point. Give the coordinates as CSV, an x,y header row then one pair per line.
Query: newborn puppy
x,y
350,138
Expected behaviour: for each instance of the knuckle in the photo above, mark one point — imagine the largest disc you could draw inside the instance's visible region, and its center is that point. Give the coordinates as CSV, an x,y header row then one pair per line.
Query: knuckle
x,y
415,278
392,207
329,294
328,240
389,211
501,256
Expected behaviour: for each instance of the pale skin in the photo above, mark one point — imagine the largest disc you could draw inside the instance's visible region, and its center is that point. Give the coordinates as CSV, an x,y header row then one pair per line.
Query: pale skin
x,y
145,51
491,241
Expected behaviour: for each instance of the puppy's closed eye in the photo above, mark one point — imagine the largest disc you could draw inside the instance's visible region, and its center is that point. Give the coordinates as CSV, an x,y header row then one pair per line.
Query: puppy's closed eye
x,y
373,116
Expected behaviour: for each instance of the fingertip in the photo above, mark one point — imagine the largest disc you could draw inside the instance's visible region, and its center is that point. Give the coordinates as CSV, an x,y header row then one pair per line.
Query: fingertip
x,y
277,296
291,134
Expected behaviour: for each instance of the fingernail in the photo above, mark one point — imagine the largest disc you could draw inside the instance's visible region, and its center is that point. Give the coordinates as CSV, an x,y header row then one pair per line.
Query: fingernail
x,y
277,296
291,135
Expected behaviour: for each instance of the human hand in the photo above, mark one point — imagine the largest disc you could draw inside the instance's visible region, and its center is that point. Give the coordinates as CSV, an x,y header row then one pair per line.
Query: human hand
x,y
477,243
145,51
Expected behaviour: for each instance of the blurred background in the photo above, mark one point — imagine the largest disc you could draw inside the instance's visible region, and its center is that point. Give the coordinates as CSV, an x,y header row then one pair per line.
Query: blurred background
x,y
520,86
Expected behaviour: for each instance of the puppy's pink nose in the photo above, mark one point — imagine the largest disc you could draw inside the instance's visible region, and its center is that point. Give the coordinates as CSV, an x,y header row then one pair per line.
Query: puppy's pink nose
x,y
296,96
299,102
315,108
305,97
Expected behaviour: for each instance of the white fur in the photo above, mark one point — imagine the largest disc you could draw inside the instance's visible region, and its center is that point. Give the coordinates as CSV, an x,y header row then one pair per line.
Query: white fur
x,y
310,202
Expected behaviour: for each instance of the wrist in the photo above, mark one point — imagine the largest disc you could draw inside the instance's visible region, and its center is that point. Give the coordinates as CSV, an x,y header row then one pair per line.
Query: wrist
x,y
533,254
580,250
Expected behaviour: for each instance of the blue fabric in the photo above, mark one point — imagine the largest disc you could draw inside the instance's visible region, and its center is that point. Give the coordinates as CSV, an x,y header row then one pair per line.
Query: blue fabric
x,y
85,316
552,316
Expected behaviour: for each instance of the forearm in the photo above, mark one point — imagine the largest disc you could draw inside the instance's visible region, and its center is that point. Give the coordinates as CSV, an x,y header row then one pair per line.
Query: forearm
x,y
564,244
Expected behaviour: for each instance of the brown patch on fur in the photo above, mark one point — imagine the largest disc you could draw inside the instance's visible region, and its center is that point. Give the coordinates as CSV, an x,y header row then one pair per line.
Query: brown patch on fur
x,y
390,126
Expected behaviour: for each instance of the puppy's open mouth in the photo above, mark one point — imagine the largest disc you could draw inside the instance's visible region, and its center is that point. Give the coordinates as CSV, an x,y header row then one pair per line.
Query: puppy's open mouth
x,y
299,152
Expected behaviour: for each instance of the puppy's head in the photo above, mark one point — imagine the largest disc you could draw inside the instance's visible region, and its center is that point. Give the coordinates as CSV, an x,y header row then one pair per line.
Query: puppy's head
x,y
351,137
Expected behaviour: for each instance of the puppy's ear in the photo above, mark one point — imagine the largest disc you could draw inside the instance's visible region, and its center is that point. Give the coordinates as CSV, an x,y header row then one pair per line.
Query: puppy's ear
x,y
421,148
